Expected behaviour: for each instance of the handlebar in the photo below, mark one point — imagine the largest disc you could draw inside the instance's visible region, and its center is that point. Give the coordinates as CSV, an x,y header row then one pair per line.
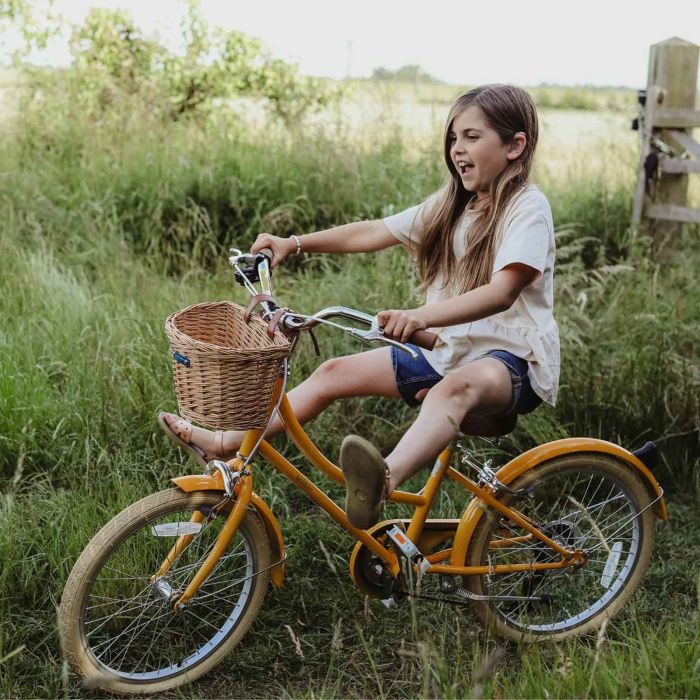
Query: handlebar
x,y
237,257
258,268
424,339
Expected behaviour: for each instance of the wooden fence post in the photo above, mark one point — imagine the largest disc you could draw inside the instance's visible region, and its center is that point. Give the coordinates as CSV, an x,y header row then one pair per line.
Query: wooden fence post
x,y
668,151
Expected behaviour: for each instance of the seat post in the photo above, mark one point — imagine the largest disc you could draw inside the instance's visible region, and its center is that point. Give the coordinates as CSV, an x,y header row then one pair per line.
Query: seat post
x,y
488,426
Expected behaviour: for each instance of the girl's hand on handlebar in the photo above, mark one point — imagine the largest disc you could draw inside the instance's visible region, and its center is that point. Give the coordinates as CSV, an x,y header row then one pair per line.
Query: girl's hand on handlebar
x,y
280,247
401,324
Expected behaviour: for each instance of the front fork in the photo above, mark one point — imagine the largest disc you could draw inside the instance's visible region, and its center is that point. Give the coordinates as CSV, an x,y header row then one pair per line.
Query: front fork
x,y
244,492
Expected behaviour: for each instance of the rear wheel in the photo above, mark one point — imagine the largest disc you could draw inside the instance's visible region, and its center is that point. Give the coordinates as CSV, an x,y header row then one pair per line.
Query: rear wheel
x,y
118,628
586,501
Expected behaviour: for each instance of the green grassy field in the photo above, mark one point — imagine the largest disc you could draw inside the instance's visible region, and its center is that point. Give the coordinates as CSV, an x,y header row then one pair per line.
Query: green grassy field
x,y
109,225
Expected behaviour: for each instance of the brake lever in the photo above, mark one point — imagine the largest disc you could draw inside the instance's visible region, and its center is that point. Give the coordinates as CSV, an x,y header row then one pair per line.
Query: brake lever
x,y
250,273
376,335
255,270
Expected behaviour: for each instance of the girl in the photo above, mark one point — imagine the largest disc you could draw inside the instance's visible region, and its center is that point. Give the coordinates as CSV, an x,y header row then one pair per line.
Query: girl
x,y
484,246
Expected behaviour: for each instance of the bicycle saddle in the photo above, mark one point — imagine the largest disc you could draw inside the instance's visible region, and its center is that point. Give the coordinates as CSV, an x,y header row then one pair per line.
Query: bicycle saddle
x,y
482,426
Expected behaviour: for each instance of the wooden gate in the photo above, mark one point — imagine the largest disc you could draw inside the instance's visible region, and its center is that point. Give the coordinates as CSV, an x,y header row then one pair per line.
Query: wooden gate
x,y
667,116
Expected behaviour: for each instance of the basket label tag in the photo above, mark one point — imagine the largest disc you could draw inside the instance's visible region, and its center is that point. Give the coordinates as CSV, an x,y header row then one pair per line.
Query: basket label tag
x,y
182,359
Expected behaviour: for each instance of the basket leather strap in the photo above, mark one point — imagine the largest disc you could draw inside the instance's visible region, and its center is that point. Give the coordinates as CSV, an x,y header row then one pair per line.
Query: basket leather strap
x,y
274,321
315,342
257,299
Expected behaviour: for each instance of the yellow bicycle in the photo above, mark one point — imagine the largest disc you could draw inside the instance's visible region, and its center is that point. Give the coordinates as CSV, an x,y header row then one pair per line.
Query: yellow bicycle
x,y
550,545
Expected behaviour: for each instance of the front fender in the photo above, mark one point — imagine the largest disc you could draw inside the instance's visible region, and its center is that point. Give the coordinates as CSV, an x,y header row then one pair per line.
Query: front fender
x,y
517,466
214,482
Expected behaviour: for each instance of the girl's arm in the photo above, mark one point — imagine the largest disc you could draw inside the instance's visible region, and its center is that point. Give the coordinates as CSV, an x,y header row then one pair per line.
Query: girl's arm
x,y
357,237
492,298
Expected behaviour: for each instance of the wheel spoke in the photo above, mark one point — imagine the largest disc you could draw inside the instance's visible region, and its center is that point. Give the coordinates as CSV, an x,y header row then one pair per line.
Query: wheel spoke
x,y
581,506
128,621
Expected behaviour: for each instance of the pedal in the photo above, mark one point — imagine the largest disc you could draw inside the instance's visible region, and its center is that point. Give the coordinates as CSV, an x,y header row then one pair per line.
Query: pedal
x,y
408,549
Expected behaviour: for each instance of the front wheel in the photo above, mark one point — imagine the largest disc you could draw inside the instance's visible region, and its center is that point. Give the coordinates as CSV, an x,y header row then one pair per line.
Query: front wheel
x,y
118,628
588,501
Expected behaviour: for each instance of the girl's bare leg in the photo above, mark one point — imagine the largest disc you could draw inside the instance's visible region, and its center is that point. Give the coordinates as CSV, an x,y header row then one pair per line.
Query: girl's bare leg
x,y
483,386
368,373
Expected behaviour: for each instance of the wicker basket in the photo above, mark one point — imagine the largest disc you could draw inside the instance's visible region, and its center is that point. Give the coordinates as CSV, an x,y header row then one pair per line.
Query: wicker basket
x,y
224,368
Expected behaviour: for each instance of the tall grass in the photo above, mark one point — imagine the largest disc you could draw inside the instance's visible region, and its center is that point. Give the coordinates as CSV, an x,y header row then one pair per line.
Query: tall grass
x,y
109,226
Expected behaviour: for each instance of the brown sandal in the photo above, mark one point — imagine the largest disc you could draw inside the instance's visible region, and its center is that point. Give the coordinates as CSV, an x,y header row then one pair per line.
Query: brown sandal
x,y
181,434
366,481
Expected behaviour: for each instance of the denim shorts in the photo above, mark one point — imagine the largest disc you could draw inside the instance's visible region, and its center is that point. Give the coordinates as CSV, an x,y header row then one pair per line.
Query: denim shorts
x,y
413,375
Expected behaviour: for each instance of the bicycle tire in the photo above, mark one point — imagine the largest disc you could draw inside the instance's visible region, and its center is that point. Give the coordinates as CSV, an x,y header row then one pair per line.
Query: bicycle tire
x,y
92,589
603,585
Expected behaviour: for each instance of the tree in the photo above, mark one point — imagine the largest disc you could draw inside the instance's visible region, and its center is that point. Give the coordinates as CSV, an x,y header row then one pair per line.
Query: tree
x,y
407,73
113,58
36,23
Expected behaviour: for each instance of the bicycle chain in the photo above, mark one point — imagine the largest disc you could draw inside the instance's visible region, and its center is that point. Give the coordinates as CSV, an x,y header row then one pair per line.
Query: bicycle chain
x,y
443,598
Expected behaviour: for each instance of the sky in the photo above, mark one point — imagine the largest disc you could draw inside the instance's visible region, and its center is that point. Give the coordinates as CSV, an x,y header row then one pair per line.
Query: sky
x,y
596,42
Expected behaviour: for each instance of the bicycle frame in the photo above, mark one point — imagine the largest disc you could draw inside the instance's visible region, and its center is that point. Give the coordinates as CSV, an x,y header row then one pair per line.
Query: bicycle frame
x,y
460,531
422,502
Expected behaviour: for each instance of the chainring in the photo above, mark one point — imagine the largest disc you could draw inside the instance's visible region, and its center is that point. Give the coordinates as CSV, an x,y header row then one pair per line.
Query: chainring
x,y
367,569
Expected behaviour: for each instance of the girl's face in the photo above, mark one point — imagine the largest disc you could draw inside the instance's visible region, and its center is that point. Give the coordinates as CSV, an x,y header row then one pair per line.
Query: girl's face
x,y
477,152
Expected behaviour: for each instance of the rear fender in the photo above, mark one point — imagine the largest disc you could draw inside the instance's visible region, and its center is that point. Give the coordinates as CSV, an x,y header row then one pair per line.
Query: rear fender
x,y
511,471
214,482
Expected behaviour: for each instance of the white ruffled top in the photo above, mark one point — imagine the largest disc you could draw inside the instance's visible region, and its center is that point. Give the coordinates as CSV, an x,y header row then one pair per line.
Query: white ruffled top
x,y
527,329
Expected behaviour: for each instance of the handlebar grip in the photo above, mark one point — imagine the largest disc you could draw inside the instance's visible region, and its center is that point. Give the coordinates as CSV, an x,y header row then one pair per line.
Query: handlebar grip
x,y
267,252
424,339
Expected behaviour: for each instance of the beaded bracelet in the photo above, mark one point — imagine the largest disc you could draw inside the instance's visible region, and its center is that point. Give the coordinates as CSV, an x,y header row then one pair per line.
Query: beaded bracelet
x,y
298,242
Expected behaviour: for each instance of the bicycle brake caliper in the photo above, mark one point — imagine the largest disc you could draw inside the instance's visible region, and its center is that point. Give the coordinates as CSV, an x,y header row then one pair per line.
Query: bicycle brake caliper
x,y
487,476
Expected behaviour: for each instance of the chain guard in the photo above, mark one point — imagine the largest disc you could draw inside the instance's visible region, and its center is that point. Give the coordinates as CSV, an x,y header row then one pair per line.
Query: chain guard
x,y
367,570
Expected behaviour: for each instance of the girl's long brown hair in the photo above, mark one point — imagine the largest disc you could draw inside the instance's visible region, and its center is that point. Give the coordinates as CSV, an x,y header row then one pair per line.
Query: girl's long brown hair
x,y
507,110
